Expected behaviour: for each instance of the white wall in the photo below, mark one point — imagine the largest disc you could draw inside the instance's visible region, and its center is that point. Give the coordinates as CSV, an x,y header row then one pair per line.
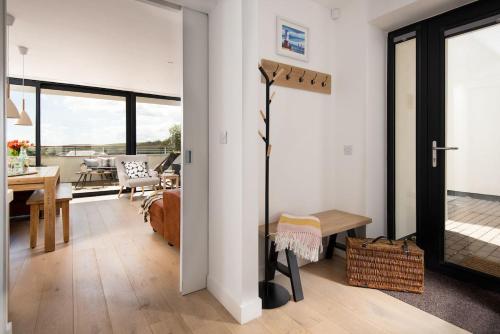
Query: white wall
x,y
301,122
233,267
4,235
194,229
309,171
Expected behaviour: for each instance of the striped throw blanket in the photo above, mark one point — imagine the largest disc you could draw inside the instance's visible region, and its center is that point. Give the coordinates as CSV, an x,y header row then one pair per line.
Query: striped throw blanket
x,y
301,235
146,204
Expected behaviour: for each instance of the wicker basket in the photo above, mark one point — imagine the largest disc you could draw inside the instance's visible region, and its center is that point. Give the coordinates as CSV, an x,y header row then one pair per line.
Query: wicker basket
x,y
385,264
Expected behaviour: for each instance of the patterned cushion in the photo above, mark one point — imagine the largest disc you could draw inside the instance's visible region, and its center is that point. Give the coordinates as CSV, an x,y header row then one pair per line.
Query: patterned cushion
x,y
136,169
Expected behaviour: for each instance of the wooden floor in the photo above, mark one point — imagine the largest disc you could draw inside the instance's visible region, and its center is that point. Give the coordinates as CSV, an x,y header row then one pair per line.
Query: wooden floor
x,y
117,276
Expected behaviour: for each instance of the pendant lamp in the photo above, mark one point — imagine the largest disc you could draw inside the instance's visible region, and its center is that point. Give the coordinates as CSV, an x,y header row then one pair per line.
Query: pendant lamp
x,y
24,118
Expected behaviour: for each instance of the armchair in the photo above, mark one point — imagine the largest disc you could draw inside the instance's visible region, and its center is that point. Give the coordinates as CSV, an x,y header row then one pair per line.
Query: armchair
x,y
126,182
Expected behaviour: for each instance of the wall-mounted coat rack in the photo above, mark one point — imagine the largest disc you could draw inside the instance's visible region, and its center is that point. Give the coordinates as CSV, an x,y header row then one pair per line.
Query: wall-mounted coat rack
x,y
298,77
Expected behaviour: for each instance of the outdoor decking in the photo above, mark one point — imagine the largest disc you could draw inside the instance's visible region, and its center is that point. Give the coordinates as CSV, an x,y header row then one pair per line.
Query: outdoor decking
x,y
472,236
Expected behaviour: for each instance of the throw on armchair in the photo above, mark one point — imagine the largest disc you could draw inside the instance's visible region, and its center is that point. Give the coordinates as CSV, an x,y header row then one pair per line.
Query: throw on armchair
x,y
165,217
133,171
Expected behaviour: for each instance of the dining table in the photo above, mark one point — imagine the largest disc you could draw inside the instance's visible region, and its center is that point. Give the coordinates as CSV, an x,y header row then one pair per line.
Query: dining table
x,y
45,178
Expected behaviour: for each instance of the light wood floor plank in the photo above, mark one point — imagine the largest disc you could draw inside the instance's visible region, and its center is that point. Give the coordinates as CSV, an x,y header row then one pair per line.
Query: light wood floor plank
x,y
117,276
90,311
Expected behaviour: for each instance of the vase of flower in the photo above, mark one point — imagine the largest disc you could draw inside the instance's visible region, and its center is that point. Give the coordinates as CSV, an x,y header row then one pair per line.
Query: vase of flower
x,y
18,160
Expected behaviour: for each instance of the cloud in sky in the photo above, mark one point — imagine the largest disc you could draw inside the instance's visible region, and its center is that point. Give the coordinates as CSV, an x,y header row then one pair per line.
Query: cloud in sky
x,y
78,120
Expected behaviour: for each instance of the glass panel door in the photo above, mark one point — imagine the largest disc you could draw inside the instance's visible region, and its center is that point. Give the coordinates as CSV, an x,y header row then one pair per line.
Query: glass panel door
x,y
405,138
158,132
82,133
472,118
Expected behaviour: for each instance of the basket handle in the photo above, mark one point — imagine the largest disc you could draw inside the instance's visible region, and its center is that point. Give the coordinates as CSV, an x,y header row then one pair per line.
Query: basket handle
x,y
375,240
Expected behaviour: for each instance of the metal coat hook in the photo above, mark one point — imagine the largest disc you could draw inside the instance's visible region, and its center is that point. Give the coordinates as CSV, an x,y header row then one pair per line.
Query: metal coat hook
x,y
301,79
288,74
313,81
276,70
323,84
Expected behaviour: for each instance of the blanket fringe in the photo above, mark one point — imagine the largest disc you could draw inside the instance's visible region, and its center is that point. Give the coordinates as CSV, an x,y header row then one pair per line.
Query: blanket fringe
x,y
305,244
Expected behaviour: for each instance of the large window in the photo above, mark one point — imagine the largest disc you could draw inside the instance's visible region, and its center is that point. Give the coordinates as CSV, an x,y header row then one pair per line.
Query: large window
x,y
20,132
158,128
82,128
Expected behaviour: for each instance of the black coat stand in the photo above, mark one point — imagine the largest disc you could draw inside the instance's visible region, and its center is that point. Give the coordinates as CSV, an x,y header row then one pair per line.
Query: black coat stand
x,y
272,294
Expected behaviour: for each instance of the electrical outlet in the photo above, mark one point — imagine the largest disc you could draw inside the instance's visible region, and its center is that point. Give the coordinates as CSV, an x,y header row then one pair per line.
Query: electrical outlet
x,y
347,149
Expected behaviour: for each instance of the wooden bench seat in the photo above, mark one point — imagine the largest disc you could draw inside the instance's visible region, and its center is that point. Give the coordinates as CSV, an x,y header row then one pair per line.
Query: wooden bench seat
x,y
332,222
64,194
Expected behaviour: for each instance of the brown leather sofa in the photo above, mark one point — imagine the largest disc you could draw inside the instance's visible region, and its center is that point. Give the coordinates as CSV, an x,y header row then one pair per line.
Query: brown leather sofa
x,y
165,217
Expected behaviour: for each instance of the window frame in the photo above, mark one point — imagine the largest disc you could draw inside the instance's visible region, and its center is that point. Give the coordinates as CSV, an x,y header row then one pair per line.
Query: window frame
x,y
130,106
130,111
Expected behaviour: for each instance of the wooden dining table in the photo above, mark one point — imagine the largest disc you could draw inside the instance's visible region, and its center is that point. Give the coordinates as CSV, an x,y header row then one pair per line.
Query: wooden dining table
x,y
45,178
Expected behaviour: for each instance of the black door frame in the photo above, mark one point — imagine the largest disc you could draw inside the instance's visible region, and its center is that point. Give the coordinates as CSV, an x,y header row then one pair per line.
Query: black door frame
x,y
430,126
419,32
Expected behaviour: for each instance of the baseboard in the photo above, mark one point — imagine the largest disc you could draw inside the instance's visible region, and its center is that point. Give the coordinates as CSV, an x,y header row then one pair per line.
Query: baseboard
x,y
242,313
493,198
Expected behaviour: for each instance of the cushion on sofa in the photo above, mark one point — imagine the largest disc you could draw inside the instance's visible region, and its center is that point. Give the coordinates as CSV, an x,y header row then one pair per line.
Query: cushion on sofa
x,y
91,163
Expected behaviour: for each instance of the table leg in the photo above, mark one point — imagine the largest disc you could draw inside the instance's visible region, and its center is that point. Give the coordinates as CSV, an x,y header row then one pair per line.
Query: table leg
x,y
49,204
351,233
293,268
77,182
332,240
164,183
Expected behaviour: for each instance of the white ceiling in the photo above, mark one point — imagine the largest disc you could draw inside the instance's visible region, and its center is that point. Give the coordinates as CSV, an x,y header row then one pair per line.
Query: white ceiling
x,y
391,14
123,44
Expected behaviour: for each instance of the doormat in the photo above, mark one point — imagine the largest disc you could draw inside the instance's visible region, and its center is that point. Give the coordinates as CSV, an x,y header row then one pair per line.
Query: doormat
x,y
463,304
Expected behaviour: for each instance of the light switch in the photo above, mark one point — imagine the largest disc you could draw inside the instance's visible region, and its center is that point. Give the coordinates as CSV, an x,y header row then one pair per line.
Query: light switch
x,y
347,149
223,137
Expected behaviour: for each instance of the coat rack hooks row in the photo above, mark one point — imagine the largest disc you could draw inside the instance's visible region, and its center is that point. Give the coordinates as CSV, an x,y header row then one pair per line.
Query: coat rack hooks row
x,y
297,77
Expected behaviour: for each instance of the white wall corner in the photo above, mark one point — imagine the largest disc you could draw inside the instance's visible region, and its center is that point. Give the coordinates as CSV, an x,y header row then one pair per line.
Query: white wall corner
x,y
241,312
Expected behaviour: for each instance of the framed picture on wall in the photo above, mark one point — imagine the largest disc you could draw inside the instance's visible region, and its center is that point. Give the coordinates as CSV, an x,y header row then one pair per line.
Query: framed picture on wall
x,y
292,39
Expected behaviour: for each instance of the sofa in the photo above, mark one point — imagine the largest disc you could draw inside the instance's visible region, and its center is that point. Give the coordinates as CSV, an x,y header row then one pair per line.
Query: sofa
x,y
165,217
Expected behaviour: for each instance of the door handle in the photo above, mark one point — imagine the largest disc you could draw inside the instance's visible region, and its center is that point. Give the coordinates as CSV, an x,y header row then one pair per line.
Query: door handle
x,y
436,148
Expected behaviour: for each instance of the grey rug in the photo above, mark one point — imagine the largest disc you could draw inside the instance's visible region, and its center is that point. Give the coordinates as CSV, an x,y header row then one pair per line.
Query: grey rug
x,y
461,303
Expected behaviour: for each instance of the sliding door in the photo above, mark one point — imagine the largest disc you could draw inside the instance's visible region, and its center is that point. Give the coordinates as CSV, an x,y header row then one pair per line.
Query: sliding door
x,y
82,133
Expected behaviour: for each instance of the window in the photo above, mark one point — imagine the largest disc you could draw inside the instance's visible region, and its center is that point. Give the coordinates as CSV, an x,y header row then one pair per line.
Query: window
x,y
80,127
158,128
20,132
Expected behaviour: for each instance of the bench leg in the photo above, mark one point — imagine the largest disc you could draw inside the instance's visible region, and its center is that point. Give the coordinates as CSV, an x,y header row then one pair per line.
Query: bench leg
x,y
332,240
293,268
351,233
34,221
65,219
273,260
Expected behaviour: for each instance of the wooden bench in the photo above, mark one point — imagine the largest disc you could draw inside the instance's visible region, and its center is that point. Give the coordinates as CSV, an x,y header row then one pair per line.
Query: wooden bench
x,y
64,194
332,223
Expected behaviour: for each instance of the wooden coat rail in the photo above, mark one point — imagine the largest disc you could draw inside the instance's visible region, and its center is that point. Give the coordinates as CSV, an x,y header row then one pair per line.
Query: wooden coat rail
x,y
298,77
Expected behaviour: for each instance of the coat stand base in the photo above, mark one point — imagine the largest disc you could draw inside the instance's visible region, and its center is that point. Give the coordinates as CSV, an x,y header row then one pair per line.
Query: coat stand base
x,y
273,295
